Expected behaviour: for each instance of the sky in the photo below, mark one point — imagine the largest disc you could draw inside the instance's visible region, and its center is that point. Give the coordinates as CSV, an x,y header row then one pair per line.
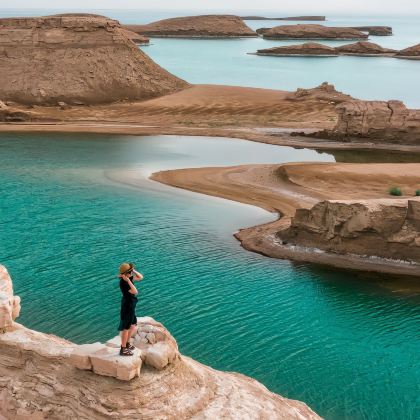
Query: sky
x,y
380,7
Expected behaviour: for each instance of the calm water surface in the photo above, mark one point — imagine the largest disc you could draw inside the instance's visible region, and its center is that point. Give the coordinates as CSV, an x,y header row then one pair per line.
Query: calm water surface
x,y
335,340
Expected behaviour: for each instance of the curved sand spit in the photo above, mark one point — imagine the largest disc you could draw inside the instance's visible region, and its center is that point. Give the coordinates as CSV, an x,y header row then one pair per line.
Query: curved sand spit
x,y
285,188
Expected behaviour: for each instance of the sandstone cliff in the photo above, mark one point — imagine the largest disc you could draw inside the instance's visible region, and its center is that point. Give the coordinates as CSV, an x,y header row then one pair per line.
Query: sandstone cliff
x,y
205,26
46,377
378,121
311,31
386,228
76,59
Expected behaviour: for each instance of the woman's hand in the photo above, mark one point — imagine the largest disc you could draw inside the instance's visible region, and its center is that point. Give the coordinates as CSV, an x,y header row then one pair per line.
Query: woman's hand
x,y
138,275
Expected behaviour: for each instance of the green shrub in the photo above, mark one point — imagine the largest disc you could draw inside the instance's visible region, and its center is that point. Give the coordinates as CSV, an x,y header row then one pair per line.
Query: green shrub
x,y
417,193
395,191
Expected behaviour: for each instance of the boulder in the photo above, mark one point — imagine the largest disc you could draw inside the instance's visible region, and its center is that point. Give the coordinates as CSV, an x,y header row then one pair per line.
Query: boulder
x,y
311,31
364,48
306,49
106,361
378,121
157,345
386,228
75,59
205,26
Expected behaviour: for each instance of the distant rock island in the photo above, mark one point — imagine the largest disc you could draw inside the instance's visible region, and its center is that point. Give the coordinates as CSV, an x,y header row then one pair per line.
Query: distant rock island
x,y
76,60
308,18
410,53
312,32
205,26
361,48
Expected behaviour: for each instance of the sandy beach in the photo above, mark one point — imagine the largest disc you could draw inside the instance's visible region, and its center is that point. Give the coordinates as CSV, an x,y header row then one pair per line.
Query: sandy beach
x,y
285,188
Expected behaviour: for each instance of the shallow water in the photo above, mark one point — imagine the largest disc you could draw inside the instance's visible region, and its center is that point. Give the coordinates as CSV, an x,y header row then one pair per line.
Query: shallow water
x,y
336,340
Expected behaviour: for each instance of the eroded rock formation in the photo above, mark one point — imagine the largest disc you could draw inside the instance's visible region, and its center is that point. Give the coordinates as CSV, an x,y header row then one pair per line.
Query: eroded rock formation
x,y
312,31
306,49
411,52
364,48
377,121
386,228
46,377
76,59
375,30
205,26
324,92
308,18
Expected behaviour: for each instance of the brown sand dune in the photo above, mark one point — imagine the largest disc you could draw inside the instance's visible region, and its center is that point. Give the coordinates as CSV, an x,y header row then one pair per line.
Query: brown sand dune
x,y
285,188
212,106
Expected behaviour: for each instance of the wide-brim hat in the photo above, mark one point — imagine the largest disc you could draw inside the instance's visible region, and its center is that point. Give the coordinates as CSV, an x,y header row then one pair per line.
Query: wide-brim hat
x,y
126,267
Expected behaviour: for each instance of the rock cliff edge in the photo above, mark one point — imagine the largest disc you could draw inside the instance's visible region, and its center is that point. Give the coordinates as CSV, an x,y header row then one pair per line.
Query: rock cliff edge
x,y
44,376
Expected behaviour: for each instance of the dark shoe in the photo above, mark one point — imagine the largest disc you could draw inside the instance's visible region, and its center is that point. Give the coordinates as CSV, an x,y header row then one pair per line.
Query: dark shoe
x,y
129,347
125,352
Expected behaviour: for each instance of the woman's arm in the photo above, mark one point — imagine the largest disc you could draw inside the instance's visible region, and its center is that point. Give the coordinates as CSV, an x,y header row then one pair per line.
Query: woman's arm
x,y
138,275
133,289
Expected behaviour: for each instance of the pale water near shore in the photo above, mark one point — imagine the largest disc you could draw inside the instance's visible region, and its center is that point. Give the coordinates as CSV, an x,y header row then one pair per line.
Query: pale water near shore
x,y
338,341
226,61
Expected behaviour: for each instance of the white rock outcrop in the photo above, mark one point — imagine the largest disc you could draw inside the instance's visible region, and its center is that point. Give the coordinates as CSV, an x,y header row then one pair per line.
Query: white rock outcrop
x,y
46,377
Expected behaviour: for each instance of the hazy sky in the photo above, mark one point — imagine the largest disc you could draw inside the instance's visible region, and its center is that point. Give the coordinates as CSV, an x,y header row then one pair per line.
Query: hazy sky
x,y
379,7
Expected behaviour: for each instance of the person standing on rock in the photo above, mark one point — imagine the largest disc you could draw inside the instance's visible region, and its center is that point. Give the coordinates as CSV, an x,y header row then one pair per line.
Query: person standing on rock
x,y
128,320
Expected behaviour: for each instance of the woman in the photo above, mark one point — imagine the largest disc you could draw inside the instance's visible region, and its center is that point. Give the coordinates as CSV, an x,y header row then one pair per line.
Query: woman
x,y
128,322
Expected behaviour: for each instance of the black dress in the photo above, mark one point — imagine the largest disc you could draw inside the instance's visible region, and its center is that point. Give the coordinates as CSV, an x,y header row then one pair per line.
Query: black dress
x,y
128,306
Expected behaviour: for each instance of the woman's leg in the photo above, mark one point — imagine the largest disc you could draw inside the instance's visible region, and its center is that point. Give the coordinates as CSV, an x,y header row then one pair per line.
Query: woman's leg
x,y
131,332
124,337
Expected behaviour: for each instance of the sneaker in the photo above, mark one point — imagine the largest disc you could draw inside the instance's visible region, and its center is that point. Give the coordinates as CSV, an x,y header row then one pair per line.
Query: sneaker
x,y
125,352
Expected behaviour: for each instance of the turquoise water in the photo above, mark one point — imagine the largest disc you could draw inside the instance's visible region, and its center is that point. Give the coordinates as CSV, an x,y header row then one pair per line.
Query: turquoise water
x,y
227,61
339,341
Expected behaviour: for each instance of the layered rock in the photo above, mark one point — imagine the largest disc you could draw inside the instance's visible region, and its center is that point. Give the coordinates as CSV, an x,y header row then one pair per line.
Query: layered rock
x,y
76,59
311,31
205,26
324,92
375,30
307,49
377,121
411,52
386,228
364,48
46,377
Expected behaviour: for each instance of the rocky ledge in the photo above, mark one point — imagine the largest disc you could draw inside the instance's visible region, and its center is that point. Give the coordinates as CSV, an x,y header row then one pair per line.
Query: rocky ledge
x,y
361,48
376,121
205,26
312,32
384,228
77,60
46,377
